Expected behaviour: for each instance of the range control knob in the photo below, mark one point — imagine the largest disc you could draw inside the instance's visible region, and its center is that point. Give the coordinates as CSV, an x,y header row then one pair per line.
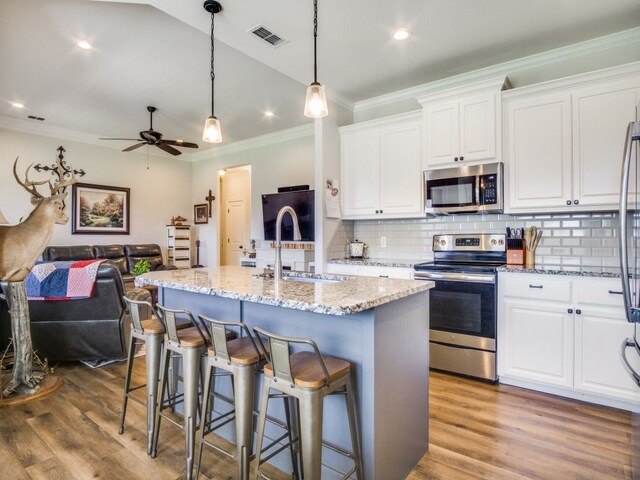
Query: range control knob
x,y
443,242
500,242
493,241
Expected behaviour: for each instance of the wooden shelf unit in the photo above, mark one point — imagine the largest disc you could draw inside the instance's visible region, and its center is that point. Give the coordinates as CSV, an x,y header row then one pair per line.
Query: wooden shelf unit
x,y
179,245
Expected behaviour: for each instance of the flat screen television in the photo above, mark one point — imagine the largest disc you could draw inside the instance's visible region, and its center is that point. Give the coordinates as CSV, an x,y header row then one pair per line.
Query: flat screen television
x,y
302,202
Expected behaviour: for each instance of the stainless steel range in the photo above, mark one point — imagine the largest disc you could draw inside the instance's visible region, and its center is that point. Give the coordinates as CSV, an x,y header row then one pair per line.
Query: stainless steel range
x,y
463,304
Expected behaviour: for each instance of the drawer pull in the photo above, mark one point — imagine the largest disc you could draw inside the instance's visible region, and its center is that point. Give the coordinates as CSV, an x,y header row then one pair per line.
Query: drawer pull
x,y
534,286
614,292
383,276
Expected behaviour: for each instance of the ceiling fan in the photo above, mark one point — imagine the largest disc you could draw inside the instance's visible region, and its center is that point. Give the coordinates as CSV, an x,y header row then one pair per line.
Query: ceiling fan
x,y
151,137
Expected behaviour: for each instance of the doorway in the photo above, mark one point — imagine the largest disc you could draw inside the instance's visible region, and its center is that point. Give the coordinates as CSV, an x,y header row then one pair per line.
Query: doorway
x,y
235,218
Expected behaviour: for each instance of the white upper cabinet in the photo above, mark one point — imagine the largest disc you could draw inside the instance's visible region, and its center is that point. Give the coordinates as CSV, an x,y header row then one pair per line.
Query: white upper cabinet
x,y
539,151
381,168
461,124
564,141
601,114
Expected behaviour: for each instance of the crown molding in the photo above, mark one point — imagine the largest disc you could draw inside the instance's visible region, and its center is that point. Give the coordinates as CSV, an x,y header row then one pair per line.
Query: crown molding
x,y
256,142
624,38
381,122
619,72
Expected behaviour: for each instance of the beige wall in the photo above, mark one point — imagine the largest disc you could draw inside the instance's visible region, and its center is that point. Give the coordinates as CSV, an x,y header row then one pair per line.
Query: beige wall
x,y
157,193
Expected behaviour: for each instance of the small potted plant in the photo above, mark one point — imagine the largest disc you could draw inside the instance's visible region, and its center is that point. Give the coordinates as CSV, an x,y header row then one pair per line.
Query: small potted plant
x,y
143,266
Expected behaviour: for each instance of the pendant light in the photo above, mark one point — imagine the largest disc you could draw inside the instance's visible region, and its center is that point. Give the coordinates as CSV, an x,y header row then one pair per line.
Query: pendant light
x,y
315,105
212,132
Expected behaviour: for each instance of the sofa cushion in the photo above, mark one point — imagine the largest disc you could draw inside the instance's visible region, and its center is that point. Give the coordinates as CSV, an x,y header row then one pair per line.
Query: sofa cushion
x,y
149,252
114,253
69,252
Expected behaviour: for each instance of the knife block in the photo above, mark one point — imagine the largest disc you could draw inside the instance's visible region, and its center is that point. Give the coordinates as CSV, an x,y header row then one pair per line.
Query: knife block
x,y
515,256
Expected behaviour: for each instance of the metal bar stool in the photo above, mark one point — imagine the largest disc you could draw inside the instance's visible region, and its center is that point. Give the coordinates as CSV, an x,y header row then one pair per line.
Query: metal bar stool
x,y
240,358
148,330
190,344
308,377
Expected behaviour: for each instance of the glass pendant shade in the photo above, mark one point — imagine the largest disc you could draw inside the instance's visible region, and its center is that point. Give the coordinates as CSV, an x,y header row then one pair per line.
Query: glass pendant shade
x,y
212,132
315,105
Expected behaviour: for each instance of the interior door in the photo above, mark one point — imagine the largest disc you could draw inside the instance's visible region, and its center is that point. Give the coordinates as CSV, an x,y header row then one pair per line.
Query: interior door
x,y
234,231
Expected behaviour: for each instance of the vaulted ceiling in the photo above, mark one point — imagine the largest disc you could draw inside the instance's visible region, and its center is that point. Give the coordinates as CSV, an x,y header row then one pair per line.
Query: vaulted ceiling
x,y
156,52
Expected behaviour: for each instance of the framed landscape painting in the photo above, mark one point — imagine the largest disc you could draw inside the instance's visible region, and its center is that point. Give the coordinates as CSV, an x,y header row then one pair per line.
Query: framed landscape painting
x,y
99,209
201,213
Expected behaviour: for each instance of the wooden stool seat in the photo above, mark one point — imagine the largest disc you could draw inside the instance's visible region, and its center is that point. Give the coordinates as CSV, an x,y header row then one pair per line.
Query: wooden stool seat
x,y
307,371
241,351
190,338
152,325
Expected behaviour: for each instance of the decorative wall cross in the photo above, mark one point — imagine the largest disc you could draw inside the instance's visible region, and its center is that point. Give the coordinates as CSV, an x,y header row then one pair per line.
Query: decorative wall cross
x,y
60,169
210,198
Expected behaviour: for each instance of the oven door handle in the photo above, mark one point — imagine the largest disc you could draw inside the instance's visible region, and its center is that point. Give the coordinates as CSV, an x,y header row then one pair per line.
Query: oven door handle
x,y
456,277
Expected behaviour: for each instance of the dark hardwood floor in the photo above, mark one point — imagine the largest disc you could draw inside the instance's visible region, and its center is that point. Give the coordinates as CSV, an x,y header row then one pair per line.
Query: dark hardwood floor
x,y
478,431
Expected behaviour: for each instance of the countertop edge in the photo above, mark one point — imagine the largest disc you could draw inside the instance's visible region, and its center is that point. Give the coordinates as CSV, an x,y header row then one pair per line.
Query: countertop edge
x,y
372,263
556,271
291,304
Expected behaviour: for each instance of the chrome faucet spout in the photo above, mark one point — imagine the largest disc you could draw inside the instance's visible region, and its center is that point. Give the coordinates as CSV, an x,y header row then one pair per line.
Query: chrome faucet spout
x,y
277,270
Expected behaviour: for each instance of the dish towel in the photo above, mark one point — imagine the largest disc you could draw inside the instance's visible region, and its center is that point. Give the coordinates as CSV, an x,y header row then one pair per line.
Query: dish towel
x,y
73,280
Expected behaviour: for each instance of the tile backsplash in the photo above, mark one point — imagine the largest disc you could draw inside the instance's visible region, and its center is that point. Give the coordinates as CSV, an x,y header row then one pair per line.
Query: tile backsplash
x,y
589,239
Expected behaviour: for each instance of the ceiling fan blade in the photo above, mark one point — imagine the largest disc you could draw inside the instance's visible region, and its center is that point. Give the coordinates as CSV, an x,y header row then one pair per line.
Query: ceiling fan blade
x,y
178,143
129,139
133,147
168,149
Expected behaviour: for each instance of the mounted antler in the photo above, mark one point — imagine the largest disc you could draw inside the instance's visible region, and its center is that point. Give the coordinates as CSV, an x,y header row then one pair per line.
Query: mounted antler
x,y
62,183
28,185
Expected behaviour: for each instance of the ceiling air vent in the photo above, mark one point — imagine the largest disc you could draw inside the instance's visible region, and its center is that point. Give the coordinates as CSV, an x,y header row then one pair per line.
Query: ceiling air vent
x,y
268,36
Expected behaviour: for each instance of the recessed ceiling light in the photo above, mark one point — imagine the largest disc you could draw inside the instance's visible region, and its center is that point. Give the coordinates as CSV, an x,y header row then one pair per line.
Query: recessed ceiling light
x,y
84,45
17,105
401,34
268,113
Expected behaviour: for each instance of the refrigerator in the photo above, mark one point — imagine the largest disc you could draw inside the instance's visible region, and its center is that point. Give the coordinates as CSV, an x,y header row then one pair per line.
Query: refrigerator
x,y
630,247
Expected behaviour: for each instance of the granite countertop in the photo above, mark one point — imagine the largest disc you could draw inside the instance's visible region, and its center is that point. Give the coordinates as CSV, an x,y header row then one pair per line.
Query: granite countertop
x,y
373,262
349,295
570,270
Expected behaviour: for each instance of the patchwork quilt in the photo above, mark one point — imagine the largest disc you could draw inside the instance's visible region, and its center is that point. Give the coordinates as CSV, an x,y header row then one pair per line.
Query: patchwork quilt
x,y
71,280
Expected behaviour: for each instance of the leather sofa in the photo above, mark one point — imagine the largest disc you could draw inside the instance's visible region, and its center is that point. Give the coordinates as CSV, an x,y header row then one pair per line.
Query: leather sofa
x,y
124,257
95,328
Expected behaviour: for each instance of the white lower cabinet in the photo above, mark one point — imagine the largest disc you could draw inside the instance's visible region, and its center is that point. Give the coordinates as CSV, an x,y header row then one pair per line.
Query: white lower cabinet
x,y
370,271
562,335
538,342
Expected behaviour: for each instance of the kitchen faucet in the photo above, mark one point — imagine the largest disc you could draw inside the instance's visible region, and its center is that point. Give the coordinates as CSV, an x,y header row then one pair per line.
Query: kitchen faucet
x,y
277,270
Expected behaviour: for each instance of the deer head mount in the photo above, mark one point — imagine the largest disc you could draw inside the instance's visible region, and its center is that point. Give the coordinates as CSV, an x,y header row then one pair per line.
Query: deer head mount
x,y
22,244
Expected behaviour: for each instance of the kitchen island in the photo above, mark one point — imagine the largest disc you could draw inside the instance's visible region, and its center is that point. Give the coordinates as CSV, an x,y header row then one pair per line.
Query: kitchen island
x,y
379,324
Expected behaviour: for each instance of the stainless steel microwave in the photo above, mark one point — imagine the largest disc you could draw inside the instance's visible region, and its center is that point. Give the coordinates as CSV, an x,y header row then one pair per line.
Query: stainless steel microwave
x,y
468,189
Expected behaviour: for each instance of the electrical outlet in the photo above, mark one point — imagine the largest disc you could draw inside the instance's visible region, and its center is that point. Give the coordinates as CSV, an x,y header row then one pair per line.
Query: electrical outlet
x,y
383,242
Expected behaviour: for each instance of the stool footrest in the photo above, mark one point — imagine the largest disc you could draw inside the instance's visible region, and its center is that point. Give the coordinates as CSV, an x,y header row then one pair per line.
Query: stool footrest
x,y
274,443
219,449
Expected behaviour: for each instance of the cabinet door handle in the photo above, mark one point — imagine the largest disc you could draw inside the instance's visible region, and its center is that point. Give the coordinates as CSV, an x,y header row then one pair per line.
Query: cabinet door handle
x,y
377,211
569,310
578,311
455,159
576,202
614,292
534,286
380,211
568,202
461,158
